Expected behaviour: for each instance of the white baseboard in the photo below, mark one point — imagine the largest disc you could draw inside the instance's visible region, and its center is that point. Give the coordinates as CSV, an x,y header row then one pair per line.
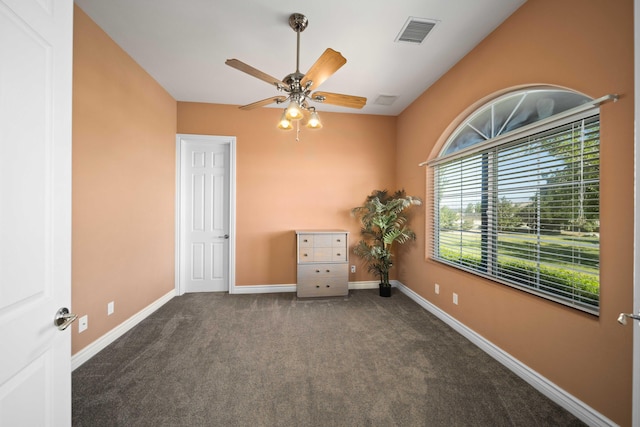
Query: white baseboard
x,y
269,289
262,289
569,402
95,347
372,284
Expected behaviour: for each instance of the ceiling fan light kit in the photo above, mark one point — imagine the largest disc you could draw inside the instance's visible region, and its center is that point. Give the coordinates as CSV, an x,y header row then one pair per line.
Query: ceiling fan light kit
x,y
298,86
313,122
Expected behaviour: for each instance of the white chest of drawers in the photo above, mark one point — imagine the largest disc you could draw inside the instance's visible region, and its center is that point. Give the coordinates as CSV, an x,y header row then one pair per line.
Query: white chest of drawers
x,y
323,263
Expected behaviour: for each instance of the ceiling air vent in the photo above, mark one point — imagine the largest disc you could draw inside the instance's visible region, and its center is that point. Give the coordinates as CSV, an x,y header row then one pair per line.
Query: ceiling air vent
x,y
385,99
415,30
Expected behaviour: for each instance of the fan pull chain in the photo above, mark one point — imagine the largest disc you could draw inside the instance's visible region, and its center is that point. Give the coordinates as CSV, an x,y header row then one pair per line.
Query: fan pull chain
x,y
297,130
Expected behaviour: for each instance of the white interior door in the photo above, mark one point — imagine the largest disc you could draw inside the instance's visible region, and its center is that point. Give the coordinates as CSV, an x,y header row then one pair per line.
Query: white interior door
x,y
205,232
35,210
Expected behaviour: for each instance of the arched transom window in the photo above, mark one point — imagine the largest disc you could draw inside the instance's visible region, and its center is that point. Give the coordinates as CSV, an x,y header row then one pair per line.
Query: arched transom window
x,y
510,112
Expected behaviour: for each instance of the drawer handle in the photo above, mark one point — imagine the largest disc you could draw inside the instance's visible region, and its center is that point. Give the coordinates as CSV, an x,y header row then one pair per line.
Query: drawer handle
x,y
328,286
338,254
305,240
338,240
317,286
305,255
317,271
328,271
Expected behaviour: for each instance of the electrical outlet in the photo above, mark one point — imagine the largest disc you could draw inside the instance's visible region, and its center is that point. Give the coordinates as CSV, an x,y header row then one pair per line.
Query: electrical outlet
x,y
353,268
83,323
110,308
437,289
455,298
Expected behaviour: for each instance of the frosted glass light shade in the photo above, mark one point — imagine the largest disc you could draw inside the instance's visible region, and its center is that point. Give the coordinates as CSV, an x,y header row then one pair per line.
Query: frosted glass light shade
x,y
284,123
293,111
314,121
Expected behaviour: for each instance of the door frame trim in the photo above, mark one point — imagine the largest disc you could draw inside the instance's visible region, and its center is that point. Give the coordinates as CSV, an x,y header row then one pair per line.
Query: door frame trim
x,y
219,139
635,389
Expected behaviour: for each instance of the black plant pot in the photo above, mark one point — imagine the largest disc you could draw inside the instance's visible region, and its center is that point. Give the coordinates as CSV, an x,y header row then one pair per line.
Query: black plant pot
x,y
385,291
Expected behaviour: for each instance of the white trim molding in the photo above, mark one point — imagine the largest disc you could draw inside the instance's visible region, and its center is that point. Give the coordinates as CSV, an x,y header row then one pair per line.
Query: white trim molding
x,y
272,289
569,402
98,345
635,370
372,284
263,289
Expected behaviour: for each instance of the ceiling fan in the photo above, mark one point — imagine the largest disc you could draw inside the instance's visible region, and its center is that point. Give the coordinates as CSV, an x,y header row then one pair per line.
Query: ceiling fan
x,y
298,86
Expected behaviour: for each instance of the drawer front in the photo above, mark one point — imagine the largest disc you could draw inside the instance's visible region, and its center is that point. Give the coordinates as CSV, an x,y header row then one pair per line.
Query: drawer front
x,y
305,255
322,255
306,240
339,254
339,240
325,289
323,271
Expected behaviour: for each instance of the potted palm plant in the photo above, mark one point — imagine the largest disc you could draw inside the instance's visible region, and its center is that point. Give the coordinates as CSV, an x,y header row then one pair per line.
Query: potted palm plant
x,y
383,218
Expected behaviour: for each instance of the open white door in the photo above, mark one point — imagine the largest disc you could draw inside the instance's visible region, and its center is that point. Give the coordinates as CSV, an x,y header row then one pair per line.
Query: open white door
x,y
36,44
636,263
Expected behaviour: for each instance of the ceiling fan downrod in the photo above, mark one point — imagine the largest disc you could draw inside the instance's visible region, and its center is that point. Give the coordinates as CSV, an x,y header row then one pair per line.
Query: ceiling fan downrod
x,y
298,23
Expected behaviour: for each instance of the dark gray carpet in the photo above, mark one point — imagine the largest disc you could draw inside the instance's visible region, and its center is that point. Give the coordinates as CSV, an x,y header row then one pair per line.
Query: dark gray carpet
x,y
273,360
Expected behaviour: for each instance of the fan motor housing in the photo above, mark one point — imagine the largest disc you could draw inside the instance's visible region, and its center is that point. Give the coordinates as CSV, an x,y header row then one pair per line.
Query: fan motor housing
x,y
293,79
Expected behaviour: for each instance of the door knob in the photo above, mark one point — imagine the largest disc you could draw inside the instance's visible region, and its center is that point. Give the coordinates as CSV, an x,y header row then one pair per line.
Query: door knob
x,y
226,236
63,318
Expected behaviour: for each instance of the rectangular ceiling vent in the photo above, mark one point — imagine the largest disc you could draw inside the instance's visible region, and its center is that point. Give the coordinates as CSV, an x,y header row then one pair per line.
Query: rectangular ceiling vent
x,y
415,30
385,99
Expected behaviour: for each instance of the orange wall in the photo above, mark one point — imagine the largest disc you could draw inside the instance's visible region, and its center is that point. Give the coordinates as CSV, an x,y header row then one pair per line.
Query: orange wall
x,y
124,127
284,185
586,46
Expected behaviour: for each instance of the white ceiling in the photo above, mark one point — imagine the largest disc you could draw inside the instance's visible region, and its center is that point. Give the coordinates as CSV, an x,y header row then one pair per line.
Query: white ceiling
x,y
183,44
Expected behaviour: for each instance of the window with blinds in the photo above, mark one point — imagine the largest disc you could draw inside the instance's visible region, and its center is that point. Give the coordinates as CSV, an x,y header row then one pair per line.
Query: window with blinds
x,y
525,211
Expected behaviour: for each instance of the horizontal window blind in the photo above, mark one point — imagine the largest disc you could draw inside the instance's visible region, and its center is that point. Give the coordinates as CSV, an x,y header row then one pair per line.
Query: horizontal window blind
x,y
526,213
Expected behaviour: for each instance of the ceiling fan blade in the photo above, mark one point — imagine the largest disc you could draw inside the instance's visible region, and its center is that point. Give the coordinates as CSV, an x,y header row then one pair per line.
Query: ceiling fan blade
x,y
276,99
328,63
339,99
245,68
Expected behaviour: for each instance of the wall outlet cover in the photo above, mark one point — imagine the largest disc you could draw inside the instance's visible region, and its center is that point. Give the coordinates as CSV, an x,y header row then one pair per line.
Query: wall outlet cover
x,y
83,323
